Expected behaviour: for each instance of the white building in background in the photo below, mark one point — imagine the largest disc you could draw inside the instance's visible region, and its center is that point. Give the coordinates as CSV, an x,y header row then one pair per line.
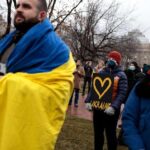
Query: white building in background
x,y
142,54
139,35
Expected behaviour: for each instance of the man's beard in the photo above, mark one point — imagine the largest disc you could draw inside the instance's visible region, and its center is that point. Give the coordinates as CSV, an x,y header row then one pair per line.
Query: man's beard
x,y
25,25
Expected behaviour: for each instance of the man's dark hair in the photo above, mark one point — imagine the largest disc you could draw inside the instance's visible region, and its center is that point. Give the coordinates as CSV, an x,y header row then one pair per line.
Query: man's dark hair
x,y
42,5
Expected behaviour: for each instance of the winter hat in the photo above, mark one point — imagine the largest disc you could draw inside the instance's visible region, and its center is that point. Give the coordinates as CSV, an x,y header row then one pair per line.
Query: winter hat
x,y
115,55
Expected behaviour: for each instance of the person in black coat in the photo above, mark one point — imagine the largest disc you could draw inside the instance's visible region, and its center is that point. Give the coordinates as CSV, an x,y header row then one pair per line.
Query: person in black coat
x,y
106,119
88,76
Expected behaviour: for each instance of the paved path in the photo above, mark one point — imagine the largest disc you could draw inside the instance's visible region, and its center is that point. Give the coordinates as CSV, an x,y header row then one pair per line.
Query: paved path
x,y
80,111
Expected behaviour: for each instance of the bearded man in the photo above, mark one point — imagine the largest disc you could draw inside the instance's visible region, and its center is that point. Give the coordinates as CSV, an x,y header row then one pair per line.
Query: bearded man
x,y
36,82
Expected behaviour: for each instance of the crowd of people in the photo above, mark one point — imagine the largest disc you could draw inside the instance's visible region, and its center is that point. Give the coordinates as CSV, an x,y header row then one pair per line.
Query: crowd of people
x,y
37,74
125,81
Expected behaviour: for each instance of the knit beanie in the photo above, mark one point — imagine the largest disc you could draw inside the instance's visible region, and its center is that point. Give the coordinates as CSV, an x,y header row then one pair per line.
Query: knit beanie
x,y
115,55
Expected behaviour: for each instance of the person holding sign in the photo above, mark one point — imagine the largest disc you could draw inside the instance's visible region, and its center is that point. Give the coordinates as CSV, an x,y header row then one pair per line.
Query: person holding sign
x,y
109,88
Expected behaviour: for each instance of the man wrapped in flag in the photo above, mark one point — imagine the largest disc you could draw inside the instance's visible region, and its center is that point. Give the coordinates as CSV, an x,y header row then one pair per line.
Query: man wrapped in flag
x,y
36,81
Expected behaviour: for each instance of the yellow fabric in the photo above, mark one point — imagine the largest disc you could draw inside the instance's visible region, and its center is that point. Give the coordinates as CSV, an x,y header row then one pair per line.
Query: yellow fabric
x,y
33,107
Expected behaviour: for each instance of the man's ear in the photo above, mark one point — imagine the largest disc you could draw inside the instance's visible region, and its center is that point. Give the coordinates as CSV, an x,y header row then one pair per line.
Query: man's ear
x,y
42,15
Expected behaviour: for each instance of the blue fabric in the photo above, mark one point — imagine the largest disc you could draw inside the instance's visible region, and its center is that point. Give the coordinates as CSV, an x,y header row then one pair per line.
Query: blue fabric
x,y
136,122
39,50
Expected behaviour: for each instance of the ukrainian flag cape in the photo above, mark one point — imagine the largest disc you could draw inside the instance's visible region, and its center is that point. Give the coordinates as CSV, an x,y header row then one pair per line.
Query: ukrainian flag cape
x,y
34,94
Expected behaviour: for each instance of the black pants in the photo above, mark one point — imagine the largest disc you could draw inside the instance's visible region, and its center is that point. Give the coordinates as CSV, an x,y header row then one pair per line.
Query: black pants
x,y
103,122
76,98
86,79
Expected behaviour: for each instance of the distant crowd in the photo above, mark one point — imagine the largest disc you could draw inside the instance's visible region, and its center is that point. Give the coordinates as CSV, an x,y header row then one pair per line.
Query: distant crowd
x,y
85,73
126,83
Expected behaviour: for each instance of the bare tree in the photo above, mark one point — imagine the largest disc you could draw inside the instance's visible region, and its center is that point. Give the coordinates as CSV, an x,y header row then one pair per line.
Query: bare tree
x,y
9,6
58,11
15,3
128,45
93,31
2,26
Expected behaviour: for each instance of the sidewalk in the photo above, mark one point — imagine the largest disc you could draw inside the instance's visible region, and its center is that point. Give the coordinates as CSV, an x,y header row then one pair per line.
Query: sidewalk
x,y
80,111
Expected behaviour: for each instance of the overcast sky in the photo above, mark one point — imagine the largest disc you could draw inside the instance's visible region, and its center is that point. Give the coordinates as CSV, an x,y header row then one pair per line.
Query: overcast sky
x,y
140,15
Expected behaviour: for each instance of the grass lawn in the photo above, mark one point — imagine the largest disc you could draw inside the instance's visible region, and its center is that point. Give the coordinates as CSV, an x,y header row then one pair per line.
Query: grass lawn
x,y
77,134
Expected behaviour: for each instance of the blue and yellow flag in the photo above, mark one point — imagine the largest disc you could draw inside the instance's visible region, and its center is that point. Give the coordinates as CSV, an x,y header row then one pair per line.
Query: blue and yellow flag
x,y
34,94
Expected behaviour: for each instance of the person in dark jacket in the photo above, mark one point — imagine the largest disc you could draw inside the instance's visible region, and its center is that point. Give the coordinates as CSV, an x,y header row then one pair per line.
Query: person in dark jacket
x,y
136,115
107,119
134,74
88,76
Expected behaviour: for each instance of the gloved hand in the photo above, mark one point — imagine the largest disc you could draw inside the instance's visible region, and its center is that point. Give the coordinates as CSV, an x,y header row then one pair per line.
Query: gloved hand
x,y
88,106
110,111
